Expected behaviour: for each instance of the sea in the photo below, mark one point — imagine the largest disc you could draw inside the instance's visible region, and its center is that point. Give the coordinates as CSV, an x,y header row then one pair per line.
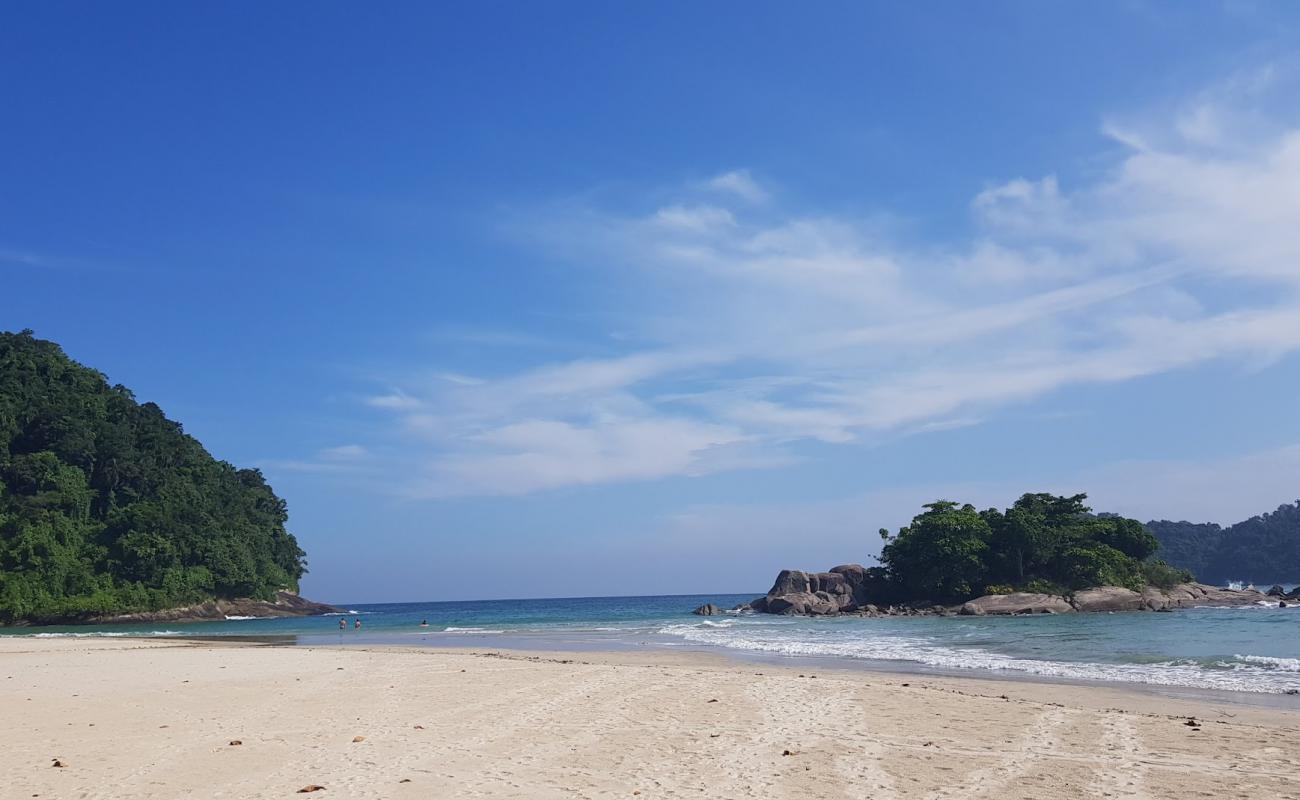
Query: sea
x,y
1253,650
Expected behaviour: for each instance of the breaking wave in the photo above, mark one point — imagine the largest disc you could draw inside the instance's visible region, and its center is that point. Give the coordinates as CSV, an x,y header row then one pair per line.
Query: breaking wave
x,y
100,634
1245,673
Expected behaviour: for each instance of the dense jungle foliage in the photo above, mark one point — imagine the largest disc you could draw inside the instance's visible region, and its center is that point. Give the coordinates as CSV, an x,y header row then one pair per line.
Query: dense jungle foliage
x,y
1263,549
1043,543
107,506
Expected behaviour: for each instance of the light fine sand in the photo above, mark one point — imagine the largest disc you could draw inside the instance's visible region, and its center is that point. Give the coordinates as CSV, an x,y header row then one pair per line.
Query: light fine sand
x,y
137,719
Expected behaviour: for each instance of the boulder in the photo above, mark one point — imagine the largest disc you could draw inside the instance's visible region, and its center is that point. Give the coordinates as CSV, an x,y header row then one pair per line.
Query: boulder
x,y
813,604
707,610
1109,598
1276,590
795,603
845,589
1214,596
790,581
855,574
1181,596
1016,603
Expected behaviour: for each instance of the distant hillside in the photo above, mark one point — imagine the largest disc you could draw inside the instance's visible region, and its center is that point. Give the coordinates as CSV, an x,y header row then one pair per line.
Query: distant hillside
x,y
1263,549
107,506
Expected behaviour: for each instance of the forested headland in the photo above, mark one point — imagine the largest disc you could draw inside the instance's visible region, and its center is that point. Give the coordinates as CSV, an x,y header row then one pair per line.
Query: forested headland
x,y
1043,543
1263,549
107,506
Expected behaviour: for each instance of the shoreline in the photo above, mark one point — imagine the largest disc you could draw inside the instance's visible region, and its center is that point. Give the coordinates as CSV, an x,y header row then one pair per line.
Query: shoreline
x,y
880,667
594,644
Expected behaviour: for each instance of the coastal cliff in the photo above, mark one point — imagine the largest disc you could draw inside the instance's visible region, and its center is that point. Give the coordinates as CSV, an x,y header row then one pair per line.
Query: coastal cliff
x,y
856,590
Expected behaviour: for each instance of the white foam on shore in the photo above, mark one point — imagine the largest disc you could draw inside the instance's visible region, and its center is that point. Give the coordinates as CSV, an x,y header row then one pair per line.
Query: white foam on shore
x,y
1281,664
454,629
1248,674
99,634
237,618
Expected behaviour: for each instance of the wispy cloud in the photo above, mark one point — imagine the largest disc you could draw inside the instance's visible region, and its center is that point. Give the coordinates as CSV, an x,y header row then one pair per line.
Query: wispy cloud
x,y
740,183
767,325
344,458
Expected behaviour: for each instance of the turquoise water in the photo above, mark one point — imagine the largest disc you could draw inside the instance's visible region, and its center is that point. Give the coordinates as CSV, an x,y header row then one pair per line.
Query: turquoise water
x,y
1255,649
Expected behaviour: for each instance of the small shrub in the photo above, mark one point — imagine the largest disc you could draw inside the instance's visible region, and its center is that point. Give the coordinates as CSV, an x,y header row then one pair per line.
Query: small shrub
x,y
1158,573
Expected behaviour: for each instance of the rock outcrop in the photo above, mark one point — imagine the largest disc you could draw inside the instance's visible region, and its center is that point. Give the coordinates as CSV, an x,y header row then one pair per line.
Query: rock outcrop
x,y
286,604
707,610
853,589
1016,603
848,588
1113,598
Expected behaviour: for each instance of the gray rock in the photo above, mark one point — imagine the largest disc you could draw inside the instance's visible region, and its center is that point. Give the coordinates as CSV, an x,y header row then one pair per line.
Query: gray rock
x,y
707,610
796,603
790,581
1214,596
1110,598
1017,603
285,604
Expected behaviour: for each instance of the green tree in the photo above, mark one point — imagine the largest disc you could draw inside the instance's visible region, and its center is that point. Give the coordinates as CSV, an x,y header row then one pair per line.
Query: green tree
x,y
940,556
106,505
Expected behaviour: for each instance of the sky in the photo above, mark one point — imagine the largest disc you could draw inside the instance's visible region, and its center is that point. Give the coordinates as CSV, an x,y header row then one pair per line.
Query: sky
x,y
589,298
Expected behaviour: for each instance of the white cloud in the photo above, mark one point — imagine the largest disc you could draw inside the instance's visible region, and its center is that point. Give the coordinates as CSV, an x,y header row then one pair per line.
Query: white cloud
x,y
740,183
750,328
395,400
695,219
340,459
344,452
532,455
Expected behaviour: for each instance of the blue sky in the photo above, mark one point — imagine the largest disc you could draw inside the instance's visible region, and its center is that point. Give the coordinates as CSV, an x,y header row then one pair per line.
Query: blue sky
x,y
516,299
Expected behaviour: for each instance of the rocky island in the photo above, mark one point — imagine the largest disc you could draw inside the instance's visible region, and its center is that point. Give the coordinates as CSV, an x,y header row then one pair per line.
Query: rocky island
x,y
1044,555
848,589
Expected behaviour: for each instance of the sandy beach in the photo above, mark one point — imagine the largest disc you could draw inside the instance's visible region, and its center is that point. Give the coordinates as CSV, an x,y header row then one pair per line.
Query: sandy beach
x,y
143,719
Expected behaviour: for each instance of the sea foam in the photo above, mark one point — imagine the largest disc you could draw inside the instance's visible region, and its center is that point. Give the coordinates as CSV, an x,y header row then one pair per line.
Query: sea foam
x,y
100,634
1248,673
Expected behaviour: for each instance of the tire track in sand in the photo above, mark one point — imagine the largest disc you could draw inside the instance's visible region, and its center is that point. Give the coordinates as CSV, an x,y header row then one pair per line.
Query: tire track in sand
x,y
1041,739
1123,773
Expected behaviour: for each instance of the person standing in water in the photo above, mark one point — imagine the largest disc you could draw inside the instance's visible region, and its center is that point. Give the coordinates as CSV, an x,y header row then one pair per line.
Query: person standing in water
x,y
343,624
357,624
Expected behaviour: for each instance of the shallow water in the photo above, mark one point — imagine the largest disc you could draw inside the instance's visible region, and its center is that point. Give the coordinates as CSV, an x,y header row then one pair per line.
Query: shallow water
x,y
1255,649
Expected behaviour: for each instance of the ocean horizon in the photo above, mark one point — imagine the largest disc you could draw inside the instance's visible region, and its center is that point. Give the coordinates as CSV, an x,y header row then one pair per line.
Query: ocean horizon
x,y
1251,649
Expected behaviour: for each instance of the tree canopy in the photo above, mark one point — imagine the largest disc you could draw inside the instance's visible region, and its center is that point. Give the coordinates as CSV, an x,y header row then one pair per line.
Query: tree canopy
x,y
1264,548
107,506
1042,543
